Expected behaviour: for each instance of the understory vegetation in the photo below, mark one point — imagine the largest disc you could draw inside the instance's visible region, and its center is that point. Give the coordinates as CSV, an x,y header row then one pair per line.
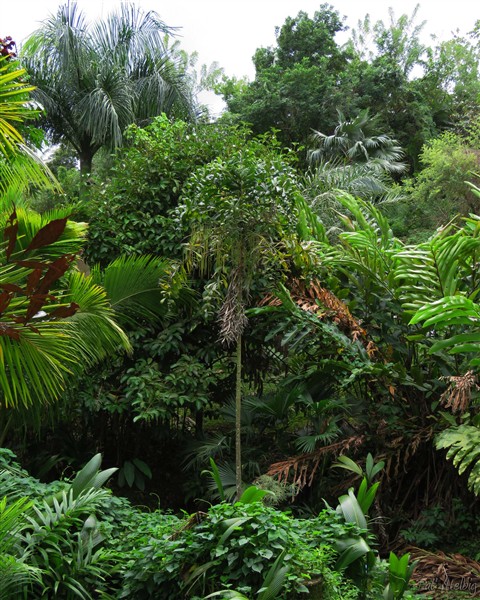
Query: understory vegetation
x,y
239,358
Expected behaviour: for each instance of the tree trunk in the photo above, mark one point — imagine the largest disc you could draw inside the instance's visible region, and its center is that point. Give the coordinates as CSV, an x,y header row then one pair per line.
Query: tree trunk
x,y
238,419
86,158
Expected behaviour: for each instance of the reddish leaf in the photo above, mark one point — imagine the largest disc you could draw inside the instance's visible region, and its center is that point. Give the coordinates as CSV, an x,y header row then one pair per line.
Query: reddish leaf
x,y
9,331
55,270
15,319
37,302
10,233
33,280
48,234
11,287
5,298
32,264
65,311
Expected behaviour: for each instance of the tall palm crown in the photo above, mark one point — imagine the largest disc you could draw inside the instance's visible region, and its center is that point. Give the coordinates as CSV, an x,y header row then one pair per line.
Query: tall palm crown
x,y
94,80
358,141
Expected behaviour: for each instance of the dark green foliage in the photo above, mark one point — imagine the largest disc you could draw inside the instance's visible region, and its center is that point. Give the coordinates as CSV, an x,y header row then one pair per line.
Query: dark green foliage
x,y
56,536
295,87
439,191
417,91
233,547
133,212
84,543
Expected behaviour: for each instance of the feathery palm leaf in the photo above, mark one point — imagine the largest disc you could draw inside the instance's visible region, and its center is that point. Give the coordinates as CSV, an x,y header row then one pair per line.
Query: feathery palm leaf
x,y
94,333
368,246
459,317
437,268
135,286
13,105
19,166
15,574
93,81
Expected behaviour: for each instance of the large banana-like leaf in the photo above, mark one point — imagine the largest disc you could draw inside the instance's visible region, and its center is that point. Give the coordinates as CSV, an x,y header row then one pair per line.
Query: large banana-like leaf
x,y
351,510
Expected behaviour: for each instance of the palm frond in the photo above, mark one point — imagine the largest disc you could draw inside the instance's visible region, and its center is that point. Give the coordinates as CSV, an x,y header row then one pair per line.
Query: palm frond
x,y
93,329
135,286
20,168
35,362
436,268
368,245
17,577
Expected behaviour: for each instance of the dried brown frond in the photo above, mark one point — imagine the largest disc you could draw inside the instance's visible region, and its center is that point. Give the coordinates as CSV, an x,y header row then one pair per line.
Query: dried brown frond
x,y
459,392
300,470
439,572
400,453
314,298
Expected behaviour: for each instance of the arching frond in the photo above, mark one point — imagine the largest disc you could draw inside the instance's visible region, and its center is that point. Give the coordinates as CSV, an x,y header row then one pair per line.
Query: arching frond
x,y
436,268
135,286
52,322
463,443
20,168
95,80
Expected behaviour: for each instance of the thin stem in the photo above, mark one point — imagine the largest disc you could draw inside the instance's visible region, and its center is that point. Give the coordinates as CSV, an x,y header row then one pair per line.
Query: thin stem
x,y
238,419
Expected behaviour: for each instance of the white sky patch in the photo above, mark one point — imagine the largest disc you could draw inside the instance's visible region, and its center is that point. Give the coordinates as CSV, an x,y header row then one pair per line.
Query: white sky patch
x,y
229,31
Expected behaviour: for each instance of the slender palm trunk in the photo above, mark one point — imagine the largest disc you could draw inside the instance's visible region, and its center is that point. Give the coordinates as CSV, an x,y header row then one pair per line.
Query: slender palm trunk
x,y
238,419
86,158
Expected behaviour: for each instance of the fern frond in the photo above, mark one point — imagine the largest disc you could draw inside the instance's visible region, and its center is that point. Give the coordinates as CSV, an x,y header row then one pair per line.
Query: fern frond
x,y
463,442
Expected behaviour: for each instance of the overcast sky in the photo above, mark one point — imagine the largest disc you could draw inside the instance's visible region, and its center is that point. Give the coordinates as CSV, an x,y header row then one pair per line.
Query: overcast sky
x,y
229,31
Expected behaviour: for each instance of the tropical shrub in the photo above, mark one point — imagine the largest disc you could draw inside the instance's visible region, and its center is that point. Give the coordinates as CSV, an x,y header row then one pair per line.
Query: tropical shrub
x,y
439,191
232,547
50,536
133,210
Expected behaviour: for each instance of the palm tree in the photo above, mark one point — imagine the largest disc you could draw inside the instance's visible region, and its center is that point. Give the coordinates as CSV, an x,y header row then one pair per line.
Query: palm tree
x,y
53,319
239,211
19,167
94,81
358,141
